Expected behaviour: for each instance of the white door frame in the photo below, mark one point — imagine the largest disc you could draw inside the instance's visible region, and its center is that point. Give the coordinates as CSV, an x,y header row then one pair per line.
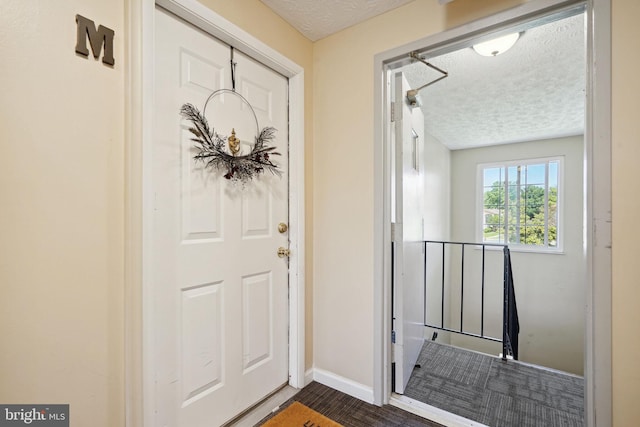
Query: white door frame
x,y
139,386
598,404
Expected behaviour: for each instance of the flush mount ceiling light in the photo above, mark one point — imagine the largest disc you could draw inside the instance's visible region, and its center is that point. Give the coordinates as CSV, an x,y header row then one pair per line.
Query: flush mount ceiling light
x,y
496,46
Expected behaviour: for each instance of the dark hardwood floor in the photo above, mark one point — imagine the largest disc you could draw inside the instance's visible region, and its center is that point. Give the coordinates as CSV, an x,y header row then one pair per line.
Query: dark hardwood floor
x,y
352,412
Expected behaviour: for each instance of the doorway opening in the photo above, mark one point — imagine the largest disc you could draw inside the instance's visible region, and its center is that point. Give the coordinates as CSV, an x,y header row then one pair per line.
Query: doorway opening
x,y
459,184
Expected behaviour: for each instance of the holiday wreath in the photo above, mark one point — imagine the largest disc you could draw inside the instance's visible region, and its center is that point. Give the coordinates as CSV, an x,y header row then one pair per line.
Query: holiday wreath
x,y
211,148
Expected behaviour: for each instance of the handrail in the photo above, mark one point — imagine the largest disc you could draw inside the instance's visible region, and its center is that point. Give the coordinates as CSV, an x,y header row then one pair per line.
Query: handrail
x,y
510,324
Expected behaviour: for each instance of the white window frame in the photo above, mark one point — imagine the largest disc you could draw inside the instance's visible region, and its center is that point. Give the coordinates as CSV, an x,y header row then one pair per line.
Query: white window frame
x,y
519,247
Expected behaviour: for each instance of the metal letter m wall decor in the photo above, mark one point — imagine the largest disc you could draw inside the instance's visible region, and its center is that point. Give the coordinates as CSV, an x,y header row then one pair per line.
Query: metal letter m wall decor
x,y
97,38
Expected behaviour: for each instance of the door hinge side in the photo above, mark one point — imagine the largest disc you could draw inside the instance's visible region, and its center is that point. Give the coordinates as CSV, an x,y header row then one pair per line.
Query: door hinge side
x,y
393,347
396,232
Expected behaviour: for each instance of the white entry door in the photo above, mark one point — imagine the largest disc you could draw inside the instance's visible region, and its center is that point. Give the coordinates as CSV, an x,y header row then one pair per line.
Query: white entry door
x,y
219,288
408,279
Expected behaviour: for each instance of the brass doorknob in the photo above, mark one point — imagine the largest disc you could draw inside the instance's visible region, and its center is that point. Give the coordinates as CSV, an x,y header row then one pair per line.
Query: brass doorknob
x,y
282,227
282,252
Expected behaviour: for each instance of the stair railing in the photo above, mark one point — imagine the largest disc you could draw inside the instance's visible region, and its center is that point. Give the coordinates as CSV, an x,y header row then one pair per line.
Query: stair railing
x,y
510,324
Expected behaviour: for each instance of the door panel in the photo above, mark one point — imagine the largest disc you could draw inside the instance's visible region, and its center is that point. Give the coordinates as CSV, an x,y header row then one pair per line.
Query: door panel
x,y
408,281
202,204
220,291
257,336
201,365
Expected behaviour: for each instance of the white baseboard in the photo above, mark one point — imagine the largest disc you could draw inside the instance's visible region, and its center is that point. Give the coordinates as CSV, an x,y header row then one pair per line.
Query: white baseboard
x,y
344,385
365,393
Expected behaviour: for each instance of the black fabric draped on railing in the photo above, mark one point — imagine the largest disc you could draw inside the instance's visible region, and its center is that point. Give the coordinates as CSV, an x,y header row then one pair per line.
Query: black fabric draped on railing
x,y
512,324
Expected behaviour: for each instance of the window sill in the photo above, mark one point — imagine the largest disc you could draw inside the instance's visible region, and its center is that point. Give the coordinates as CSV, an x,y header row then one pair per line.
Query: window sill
x,y
525,249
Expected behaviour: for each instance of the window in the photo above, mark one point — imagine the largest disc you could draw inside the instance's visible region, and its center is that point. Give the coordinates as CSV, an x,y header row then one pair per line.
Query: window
x,y
520,203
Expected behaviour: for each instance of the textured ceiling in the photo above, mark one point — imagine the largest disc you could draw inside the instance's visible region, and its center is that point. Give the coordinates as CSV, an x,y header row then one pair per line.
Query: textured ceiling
x,y
317,19
535,90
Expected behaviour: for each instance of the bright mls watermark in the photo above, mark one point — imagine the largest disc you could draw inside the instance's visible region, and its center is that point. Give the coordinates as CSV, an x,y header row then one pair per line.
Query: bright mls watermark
x,y
34,415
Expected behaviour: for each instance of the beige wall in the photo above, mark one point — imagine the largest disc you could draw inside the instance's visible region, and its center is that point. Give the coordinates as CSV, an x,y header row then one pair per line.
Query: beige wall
x,y
343,185
61,182
437,226
626,205
437,190
343,176
61,221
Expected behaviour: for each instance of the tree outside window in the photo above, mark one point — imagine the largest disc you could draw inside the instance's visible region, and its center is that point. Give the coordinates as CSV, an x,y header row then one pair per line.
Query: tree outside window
x,y
520,203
